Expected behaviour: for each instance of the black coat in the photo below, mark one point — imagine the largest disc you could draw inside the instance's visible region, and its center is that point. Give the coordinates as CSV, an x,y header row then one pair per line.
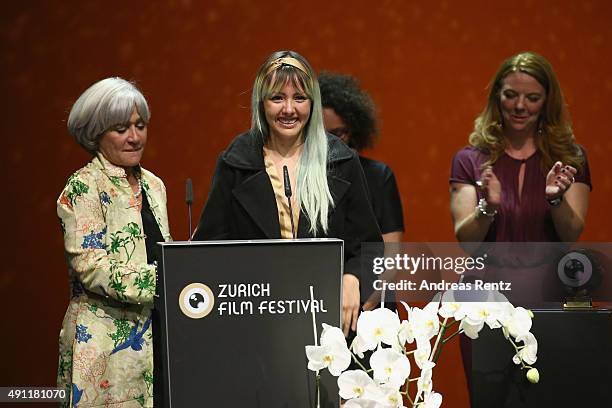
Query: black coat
x,y
241,202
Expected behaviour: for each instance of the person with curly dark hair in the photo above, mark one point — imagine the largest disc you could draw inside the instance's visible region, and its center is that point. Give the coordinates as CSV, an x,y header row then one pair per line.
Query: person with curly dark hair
x,y
350,114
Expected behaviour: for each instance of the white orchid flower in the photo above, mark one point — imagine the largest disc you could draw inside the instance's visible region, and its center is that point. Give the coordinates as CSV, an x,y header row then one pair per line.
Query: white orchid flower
x,y
432,308
504,315
357,384
425,382
390,366
359,346
406,333
431,400
422,352
424,322
331,354
471,329
487,312
378,326
390,397
518,323
361,403
331,334
529,353
452,309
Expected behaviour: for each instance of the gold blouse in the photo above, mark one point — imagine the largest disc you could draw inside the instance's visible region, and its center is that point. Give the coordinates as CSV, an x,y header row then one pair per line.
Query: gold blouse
x,y
274,171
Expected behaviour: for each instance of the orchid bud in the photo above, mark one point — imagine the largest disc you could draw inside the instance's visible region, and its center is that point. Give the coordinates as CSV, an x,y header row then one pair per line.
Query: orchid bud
x,y
533,375
530,313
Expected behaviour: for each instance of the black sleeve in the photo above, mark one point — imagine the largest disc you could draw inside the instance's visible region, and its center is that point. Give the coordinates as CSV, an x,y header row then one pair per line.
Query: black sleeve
x,y
215,219
360,226
392,219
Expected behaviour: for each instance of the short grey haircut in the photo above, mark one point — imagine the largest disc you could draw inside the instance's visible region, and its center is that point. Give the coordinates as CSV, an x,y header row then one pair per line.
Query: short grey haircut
x,y
106,103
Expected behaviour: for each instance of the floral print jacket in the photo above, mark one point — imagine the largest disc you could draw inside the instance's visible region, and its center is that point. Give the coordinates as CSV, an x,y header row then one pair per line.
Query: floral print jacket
x,y
106,351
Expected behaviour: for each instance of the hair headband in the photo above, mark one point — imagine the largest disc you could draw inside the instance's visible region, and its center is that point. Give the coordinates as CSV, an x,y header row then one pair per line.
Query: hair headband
x,y
277,63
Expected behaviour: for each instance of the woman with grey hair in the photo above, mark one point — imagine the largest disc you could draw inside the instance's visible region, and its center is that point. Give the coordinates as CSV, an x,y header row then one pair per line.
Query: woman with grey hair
x,y
112,212
329,199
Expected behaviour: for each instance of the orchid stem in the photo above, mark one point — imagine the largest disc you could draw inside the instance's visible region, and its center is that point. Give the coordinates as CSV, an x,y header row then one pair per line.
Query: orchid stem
x,y
454,322
517,348
451,336
359,363
408,396
434,352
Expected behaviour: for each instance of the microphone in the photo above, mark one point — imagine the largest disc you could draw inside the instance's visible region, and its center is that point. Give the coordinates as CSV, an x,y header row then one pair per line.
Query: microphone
x,y
189,201
288,195
287,183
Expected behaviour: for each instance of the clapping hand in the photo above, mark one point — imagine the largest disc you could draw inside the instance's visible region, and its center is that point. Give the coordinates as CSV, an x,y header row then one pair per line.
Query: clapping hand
x,y
490,187
558,180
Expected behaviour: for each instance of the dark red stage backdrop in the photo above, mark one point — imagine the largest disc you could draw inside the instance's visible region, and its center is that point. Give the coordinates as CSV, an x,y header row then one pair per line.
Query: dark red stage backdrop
x,y
426,64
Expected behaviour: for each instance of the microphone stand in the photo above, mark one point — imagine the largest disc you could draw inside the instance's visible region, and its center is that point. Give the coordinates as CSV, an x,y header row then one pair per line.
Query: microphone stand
x,y
189,201
288,195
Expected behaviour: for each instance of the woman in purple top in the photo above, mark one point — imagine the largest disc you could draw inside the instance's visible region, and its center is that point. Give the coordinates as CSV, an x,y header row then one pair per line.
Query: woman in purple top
x,y
523,178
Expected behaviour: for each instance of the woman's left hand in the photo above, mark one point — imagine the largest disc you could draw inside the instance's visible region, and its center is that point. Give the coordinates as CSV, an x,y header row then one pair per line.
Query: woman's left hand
x,y
350,302
558,180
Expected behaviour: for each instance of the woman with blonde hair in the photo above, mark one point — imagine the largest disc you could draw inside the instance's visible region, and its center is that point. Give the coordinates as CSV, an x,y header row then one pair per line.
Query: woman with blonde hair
x,y
523,177
329,199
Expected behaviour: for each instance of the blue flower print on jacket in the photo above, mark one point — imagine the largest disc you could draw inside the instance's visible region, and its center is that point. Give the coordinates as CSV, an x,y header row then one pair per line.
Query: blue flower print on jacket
x,y
81,334
94,240
105,198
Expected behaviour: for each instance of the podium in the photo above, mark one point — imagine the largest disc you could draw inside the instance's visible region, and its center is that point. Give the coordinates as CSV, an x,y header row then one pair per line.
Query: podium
x,y
233,318
574,361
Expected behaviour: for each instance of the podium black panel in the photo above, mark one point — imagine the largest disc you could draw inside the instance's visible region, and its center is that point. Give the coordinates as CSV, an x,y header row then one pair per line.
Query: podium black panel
x,y
574,361
249,350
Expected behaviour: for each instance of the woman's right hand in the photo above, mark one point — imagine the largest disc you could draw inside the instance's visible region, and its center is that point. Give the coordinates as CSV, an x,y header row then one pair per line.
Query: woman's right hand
x,y
558,180
490,187
350,302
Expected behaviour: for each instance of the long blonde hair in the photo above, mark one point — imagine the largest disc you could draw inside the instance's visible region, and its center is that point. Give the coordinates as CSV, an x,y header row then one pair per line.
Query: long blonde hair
x,y
312,188
555,138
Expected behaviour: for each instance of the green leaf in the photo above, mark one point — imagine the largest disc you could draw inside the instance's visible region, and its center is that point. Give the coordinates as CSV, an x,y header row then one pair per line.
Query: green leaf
x,y
133,230
115,180
118,286
145,282
76,189
116,243
122,333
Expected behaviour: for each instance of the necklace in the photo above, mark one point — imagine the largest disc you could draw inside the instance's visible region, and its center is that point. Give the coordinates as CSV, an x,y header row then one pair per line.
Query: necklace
x,y
137,193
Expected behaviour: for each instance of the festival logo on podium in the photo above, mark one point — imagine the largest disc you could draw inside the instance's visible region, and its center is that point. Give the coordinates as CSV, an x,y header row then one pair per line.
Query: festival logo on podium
x,y
196,300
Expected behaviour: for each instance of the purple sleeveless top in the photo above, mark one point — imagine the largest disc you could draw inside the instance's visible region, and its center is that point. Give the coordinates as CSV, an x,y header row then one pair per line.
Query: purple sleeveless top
x,y
526,220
